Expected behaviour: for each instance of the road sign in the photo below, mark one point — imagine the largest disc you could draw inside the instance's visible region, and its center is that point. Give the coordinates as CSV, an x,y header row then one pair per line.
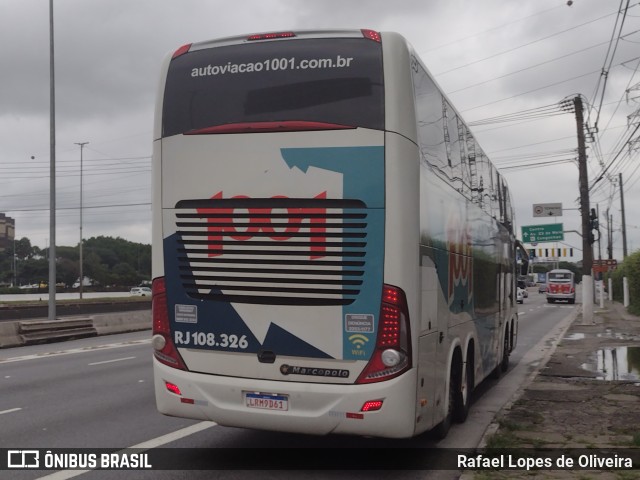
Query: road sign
x,y
547,209
542,233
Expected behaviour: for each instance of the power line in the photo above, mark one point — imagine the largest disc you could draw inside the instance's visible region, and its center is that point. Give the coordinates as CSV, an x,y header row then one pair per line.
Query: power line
x,y
523,45
532,113
605,70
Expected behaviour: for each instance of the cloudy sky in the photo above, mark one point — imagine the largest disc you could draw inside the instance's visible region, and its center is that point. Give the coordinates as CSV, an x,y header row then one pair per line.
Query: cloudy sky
x,y
492,58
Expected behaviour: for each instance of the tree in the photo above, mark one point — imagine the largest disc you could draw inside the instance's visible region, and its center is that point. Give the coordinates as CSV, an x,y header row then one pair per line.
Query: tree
x,y
106,260
23,248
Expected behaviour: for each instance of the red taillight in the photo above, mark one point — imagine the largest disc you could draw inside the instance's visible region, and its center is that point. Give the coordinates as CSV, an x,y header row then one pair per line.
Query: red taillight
x,y
173,388
270,36
164,349
268,127
372,35
371,406
392,354
181,51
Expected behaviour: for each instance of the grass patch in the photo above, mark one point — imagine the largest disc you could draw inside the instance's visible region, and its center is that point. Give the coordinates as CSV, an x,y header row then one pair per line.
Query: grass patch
x,y
503,440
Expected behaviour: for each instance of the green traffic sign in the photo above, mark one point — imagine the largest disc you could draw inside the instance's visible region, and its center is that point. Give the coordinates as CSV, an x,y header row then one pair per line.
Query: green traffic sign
x,y
542,233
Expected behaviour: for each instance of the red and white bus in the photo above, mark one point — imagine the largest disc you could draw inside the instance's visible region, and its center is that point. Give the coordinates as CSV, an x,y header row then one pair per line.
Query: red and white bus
x,y
561,286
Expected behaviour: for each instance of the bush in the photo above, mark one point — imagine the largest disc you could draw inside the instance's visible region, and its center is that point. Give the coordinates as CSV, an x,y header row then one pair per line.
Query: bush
x,y
630,268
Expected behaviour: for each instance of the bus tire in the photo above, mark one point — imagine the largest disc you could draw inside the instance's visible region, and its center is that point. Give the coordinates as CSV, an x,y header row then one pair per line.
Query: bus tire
x,y
463,396
442,429
504,363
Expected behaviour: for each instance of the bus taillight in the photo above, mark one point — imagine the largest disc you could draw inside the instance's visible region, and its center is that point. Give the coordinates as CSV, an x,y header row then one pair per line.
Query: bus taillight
x,y
371,35
181,51
270,36
392,354
164,349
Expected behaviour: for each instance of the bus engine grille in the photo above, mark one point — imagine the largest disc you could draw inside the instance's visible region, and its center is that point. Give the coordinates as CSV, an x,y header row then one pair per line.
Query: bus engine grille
x,y
275,251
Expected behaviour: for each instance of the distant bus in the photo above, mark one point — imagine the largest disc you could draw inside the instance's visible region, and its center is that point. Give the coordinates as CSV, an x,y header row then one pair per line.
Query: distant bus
x,y
332,250
561,286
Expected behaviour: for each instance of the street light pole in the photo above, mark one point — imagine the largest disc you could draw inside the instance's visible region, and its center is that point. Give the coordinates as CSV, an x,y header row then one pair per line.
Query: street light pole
x,y
52,173
82,144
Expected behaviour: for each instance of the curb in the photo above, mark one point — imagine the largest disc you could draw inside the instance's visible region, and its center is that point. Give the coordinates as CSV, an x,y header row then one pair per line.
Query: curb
x,y
548,343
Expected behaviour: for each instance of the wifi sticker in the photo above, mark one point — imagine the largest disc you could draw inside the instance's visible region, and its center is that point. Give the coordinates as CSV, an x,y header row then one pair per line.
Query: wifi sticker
x,y
358,340
359,330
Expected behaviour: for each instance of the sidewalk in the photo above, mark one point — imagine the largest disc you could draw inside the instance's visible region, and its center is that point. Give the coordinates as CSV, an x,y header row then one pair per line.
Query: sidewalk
x,y
586,396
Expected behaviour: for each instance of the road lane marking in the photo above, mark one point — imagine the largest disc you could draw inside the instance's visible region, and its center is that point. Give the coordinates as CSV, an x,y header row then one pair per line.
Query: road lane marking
x,y
11,410
141,447
111,361
72,351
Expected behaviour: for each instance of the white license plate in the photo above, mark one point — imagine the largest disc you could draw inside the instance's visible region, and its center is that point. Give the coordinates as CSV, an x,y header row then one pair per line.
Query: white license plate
x,y
266,401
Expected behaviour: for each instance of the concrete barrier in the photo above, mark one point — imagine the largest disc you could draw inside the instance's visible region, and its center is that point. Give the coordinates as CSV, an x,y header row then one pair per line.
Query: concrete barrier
x,y
9,336
121,322
44,331
18,333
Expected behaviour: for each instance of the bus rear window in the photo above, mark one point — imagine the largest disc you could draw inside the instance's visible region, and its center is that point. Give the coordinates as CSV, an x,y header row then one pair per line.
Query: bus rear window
x,y
560,276
332,81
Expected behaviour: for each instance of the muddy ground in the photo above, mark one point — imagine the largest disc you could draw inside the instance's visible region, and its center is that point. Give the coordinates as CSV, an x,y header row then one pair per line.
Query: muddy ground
x,y
587,396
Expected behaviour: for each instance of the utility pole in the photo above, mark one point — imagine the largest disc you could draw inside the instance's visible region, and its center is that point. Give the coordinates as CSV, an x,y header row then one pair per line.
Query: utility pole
x,y
609,236
82,144
624,223
587,235
599,242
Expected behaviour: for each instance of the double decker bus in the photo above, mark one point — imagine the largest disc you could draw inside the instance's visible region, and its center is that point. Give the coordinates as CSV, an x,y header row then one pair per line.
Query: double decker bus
x,y
332,250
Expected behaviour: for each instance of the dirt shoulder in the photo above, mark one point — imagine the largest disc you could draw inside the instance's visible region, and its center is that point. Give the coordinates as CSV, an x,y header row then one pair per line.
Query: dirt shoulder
x,y
587,396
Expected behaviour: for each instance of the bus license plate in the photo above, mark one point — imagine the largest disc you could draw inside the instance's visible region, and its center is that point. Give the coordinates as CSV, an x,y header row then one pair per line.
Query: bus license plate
x,y
266,401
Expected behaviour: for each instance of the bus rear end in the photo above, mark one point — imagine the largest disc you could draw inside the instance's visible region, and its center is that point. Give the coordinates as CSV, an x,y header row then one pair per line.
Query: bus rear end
x,y
561,286
269,305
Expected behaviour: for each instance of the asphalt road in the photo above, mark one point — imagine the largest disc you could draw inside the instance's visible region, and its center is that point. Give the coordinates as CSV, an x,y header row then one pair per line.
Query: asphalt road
x,y
98,393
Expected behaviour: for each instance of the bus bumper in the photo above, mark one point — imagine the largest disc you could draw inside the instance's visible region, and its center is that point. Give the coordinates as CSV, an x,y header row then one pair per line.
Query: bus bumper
x,y
311,408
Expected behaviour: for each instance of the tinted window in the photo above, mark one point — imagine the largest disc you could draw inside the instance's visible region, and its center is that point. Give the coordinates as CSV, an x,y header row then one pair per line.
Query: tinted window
x,y
337,81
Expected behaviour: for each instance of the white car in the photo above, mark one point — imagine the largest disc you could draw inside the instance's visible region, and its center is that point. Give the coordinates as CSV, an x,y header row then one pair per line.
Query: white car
x,y
520,295
141,291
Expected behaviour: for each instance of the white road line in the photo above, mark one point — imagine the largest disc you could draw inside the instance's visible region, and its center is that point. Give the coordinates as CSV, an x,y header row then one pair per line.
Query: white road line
x,y
153,443
107,346
11,410
111,361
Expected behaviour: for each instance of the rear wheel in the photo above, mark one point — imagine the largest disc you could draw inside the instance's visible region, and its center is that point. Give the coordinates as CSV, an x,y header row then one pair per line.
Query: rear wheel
x,y
504,364
463,396
442,429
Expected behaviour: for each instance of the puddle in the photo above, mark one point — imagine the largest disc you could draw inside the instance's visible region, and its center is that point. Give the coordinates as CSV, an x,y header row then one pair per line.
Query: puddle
x,y
615,335
615,363
574,336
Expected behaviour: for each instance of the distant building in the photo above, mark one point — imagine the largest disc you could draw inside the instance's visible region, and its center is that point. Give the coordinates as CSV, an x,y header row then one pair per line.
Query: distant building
x,y
7,232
